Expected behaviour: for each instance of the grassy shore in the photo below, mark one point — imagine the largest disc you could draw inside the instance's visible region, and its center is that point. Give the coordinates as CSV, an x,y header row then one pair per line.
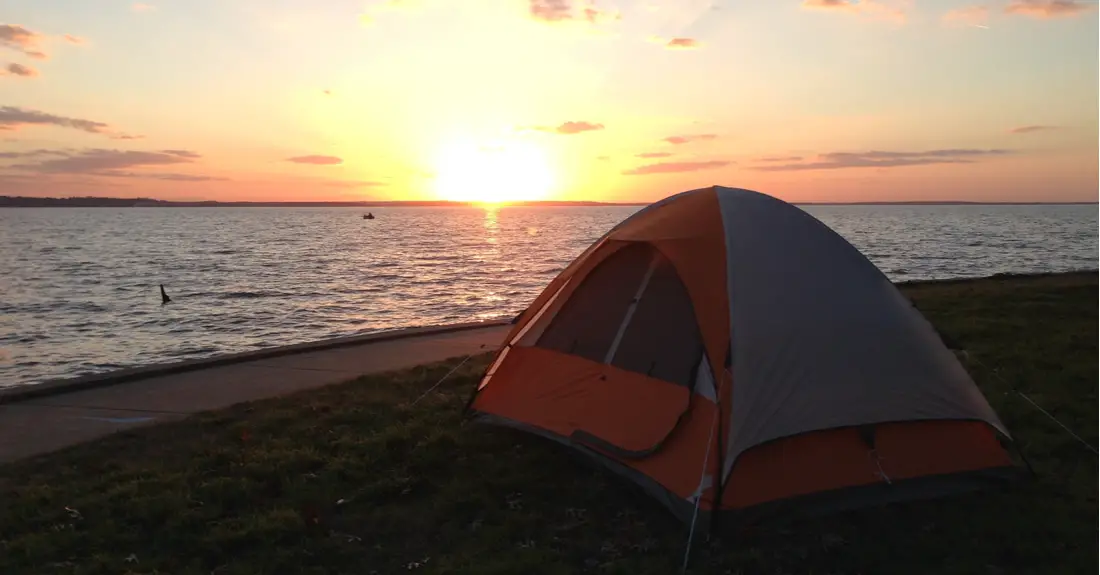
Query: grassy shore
x,y
354,479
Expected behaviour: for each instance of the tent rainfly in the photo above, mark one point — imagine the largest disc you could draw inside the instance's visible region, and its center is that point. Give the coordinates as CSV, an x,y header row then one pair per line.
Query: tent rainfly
x,y
735,357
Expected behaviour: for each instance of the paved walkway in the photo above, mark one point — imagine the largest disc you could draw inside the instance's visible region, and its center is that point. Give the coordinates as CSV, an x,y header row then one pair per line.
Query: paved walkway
x,y
40,425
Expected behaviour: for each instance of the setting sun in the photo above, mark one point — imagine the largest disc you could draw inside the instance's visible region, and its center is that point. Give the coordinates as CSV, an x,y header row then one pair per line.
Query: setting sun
x,y
503,172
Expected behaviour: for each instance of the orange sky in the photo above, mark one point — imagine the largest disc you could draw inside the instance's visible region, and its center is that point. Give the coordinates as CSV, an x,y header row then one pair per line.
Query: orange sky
x,y
814,100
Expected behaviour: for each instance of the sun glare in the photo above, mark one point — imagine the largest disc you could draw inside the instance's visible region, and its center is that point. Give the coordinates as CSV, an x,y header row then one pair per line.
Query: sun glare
x,y
508,172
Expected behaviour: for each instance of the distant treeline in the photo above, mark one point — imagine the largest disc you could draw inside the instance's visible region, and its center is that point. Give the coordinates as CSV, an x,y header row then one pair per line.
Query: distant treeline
x,y
95,202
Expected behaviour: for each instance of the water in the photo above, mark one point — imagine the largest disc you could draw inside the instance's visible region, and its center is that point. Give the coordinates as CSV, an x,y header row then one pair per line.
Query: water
x,y
78,287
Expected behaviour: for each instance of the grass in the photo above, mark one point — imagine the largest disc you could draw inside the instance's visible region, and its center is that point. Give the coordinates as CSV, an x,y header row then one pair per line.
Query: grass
x,y
353,479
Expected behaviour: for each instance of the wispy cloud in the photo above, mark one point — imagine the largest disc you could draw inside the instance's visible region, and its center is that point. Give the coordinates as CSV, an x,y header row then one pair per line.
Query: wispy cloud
x,y
103,161
1032,129
675,167
75,40
14,117
34,154
677,43
169,176
967,16
183,154
142,7
892,10
108,163
570,128
1048,8
353,184
653,155
689,138
557,11
14,69
20,39
316,160
881,159
683,43
773,159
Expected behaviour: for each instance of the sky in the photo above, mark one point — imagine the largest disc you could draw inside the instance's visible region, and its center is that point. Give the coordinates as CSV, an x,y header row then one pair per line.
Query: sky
x,y
495,100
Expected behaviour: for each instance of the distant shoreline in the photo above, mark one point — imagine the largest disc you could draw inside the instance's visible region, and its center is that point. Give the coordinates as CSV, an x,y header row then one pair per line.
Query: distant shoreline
x,y
98,202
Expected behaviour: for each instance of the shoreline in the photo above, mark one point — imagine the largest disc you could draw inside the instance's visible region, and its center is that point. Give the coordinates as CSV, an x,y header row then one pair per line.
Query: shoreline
x,y
19,393
22,392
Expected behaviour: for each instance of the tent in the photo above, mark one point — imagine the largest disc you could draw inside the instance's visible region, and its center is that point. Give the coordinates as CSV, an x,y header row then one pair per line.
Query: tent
x,y
729,352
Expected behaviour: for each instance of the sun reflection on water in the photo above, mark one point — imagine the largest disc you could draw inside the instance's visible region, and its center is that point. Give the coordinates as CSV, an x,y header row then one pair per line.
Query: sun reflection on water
x,y
492,226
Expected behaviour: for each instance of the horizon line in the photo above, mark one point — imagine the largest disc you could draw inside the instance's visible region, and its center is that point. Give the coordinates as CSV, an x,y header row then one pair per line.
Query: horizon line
x,y
106,201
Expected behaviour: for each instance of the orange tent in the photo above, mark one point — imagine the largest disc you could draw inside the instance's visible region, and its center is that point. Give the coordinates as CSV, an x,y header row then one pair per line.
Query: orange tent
x,y
729,352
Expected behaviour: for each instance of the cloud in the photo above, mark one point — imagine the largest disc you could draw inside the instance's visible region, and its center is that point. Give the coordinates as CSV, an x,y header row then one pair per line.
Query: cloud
x,y
104,162
678,43
142,7
20,39
675,167
1048,8
687,139
14,69
174,177
967,16
880,159
316,160
894,10
604,158
76,40
653,155
107,163
1030,129
829,4
354,184
550,10
780,159
558,11
682,43
570,128
14,117
34,153
183,154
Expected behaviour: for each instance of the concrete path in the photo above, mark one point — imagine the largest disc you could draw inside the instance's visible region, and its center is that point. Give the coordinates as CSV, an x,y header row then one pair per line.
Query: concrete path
x,y
39,425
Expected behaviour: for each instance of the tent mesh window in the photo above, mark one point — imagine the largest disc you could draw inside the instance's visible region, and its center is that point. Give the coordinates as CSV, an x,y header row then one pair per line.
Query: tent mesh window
x,y
659,336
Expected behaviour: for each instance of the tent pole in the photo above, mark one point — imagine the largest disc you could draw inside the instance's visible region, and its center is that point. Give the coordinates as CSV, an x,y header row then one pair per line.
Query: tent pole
x,y
700,489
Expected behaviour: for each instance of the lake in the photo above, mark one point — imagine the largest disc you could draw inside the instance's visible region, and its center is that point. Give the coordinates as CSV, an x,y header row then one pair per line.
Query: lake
x,y
78,286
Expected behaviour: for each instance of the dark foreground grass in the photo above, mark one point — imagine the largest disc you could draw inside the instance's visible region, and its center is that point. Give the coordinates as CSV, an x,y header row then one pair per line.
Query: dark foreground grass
x,y
353,479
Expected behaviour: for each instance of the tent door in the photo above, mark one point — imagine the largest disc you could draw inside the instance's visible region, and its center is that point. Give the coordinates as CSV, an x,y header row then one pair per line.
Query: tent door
x,y
583,437
672,413
632,317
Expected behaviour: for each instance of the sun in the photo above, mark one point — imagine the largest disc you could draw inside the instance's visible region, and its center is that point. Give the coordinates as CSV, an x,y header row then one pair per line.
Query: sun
x,y
493,173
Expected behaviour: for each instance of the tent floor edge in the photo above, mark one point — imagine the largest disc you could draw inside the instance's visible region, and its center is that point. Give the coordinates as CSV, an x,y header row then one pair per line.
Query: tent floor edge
x,y
869,496
681,508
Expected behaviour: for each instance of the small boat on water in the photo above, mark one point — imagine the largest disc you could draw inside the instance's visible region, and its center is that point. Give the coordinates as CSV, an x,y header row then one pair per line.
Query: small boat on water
x,y
368,216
